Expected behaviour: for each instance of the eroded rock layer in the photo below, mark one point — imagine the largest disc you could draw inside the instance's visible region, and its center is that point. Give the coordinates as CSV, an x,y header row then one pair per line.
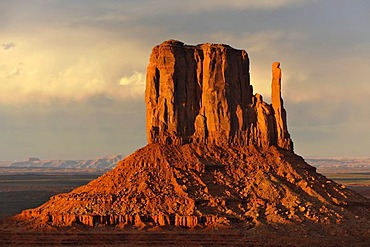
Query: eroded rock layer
x,y
202,94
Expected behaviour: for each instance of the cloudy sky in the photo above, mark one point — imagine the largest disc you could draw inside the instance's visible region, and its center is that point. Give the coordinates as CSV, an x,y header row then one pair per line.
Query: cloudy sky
x,y
72,72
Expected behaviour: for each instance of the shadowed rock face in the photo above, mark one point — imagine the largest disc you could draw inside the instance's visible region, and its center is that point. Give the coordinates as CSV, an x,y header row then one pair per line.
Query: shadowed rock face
x,y
217,154
202,94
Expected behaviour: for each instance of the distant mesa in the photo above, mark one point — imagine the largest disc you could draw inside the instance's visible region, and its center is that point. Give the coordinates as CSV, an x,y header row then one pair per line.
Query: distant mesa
x,y
217,155
33,159
103,163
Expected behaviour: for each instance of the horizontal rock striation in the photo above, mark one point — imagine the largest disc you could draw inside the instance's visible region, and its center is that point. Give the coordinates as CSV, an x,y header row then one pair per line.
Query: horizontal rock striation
x,y
202,94
122,220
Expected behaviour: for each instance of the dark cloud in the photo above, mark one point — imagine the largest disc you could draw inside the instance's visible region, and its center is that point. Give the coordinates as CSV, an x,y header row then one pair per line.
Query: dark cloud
x,y
7,46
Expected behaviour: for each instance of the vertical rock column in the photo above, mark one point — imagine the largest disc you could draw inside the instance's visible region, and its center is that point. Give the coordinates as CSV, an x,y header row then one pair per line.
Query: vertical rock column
x,y
173,92
197,94
281,137
225,94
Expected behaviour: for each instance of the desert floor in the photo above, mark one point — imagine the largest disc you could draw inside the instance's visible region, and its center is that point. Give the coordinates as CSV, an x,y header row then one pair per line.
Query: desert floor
x,y
24,190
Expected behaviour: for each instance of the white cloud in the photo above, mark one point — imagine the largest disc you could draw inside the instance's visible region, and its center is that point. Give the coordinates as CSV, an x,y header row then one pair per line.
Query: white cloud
x,y
134,85
136,79
55,68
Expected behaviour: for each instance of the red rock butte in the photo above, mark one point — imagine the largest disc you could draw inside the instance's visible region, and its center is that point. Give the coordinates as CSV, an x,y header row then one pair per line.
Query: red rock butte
x,y
217,154
202,94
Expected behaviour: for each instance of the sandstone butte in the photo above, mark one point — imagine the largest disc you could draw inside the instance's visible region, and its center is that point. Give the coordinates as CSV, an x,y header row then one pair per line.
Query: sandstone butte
x,y
217,155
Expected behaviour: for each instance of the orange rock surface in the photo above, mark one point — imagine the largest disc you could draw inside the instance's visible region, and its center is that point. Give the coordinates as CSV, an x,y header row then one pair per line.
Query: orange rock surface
x,y
202,94
217,155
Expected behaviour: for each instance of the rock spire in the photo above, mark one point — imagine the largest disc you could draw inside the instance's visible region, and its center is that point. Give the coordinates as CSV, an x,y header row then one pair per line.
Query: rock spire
x,y
202,94
282,136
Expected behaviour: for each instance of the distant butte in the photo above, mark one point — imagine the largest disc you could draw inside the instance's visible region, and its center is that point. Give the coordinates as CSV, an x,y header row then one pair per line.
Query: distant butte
x,y
217,155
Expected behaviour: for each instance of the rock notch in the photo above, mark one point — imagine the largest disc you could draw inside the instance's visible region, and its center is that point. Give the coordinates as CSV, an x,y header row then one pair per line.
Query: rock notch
x,y
202,94
217,155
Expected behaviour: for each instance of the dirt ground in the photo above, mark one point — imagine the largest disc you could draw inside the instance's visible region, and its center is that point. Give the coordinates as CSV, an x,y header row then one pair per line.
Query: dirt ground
x,y
261,235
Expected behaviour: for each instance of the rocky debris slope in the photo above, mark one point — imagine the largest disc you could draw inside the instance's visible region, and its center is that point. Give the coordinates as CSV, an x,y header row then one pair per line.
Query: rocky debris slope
x,y
202,184
217,155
